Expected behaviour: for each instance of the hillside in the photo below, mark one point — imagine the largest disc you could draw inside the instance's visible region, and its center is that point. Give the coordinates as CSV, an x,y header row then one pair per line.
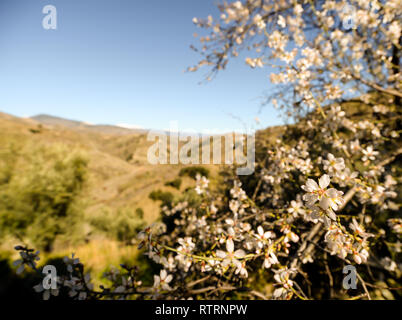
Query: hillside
x,y
119,173
118,183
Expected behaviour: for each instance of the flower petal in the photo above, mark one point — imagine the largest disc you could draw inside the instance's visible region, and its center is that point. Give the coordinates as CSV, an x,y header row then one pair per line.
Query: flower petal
x,y
229,245
221,254
239,253
168,278
324,181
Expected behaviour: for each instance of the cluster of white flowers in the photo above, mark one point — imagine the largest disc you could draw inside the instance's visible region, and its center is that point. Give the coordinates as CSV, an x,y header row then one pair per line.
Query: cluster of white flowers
x,y
28,259
328,200
162,281
77,286
396,225
202,184
282,277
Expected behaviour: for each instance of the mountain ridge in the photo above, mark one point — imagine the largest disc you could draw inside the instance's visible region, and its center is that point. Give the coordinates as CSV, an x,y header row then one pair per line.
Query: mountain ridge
x,y
51,120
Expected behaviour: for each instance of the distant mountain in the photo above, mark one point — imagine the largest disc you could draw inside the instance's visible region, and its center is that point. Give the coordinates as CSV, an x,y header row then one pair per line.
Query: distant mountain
x,y
49,120
124,129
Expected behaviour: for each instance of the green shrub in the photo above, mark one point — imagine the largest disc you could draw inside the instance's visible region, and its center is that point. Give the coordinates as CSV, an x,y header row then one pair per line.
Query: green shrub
x,y
38,200
164,196
193,171
176,183
139,213
122,225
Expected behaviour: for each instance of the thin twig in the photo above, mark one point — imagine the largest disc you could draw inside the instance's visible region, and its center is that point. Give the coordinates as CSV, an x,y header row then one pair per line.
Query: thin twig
x,y
364,285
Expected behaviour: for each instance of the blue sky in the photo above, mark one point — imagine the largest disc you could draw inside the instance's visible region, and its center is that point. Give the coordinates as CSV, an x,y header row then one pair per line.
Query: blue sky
x,y
121,61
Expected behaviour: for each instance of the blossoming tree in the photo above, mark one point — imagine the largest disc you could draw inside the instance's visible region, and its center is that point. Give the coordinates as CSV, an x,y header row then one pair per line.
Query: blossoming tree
x,y
323,196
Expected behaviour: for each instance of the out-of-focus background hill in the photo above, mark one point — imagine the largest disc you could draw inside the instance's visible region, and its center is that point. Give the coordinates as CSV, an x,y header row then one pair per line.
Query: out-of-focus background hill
x,y
66,184
119,172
